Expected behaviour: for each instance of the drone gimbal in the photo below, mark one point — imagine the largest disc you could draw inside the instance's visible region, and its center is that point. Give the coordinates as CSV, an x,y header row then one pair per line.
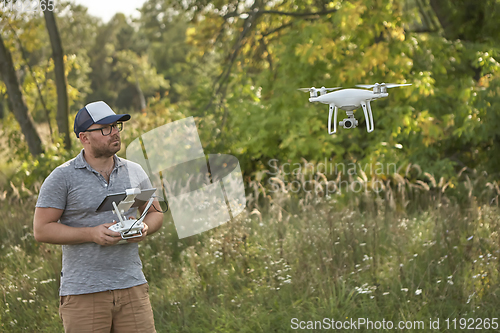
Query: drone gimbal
x,y
350,121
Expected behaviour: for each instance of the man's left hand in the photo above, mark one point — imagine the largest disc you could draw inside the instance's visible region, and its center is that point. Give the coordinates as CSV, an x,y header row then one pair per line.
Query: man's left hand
x,y
138,239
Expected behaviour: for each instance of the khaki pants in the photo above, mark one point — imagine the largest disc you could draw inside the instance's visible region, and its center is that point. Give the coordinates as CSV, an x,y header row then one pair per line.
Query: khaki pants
x,y
122,310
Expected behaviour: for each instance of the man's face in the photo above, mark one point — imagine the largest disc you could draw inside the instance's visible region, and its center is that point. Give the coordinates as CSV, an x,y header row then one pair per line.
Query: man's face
x,y
104,145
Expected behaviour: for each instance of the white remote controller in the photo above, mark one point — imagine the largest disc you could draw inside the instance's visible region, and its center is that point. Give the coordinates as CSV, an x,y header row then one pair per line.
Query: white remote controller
x,y
128,228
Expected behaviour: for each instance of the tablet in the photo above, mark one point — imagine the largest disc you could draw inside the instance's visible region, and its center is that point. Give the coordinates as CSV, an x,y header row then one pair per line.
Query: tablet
x,y
140,199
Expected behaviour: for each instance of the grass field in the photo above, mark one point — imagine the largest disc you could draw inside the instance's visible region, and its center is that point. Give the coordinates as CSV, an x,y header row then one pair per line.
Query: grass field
x,y
349,258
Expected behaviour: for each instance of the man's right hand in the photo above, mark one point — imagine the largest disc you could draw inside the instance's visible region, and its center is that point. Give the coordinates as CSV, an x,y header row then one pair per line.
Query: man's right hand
x,y
105,237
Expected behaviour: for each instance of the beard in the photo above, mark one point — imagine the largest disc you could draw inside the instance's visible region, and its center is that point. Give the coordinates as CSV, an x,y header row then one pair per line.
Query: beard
x,y
107,149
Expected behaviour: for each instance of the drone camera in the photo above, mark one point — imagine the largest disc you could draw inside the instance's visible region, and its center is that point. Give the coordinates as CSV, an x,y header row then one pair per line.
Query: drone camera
x,y
348,123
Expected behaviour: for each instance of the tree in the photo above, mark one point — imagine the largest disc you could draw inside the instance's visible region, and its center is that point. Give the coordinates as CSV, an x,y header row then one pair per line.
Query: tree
x,y
77,28
469,20
165,29
17,102
61,85
121,72
265,50
139,72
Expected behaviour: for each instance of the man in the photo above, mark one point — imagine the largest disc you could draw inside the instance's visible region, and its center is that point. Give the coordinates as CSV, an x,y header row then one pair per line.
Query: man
x,y
103,288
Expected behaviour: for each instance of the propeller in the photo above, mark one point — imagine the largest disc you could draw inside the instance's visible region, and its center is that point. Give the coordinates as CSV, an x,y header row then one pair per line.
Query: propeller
x,y
317,89
387,85
306,89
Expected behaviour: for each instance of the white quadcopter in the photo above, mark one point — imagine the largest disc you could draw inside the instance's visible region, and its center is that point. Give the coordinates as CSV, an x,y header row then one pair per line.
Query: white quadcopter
x,y
349,100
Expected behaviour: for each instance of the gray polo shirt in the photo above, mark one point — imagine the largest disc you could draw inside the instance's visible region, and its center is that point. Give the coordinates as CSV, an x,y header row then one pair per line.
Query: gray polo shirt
x,y
78,189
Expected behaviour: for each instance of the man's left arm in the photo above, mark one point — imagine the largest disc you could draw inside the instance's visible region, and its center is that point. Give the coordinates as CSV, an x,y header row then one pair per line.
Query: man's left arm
x,y
154,217
152,221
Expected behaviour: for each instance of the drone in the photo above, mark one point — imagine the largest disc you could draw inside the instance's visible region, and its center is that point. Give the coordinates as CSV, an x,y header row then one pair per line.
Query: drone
x,y
349,100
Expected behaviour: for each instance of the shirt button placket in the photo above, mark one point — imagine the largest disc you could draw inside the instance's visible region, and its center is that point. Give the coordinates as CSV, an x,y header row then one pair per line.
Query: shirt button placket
x,y
110,178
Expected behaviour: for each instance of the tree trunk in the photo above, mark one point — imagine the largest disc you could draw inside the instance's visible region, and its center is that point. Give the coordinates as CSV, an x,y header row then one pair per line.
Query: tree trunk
x,y
62,93
142,99
442,12
17,101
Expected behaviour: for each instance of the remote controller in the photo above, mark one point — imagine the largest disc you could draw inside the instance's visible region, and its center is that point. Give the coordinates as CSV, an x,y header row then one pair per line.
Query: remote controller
x,y
129,228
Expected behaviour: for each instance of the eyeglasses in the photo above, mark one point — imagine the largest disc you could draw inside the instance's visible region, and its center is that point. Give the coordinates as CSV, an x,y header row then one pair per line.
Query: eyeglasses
x,y
108,129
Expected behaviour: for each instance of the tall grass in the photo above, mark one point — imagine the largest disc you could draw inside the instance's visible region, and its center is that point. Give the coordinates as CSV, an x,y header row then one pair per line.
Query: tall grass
x,y
414,251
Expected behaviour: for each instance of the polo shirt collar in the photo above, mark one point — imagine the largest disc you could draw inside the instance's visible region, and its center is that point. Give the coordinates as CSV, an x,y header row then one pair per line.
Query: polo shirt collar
x,y
80,161
118,161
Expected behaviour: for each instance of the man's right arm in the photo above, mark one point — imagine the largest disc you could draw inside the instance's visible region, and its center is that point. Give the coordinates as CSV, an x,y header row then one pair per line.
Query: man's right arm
x,y
47,229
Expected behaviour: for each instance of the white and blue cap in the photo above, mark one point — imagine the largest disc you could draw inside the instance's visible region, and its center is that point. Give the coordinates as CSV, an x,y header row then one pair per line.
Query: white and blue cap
x,y
96,113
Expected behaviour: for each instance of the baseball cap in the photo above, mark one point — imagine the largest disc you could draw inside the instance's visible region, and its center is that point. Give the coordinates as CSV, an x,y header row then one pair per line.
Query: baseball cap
x,y
96,113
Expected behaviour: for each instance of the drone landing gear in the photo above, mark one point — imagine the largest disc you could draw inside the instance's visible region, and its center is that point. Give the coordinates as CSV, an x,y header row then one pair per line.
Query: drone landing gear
x,y
350,121
332,109
368,115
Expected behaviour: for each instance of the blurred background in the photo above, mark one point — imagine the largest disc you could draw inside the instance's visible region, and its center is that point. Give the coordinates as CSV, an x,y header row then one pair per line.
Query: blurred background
x,y
397,224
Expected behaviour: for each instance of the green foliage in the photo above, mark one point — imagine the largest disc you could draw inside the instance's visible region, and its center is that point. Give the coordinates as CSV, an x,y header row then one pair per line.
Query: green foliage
x,y
27,31
29,172
77,28
261,116
321,258
469,20
236,68
33,171
138,71
420,248
165,29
